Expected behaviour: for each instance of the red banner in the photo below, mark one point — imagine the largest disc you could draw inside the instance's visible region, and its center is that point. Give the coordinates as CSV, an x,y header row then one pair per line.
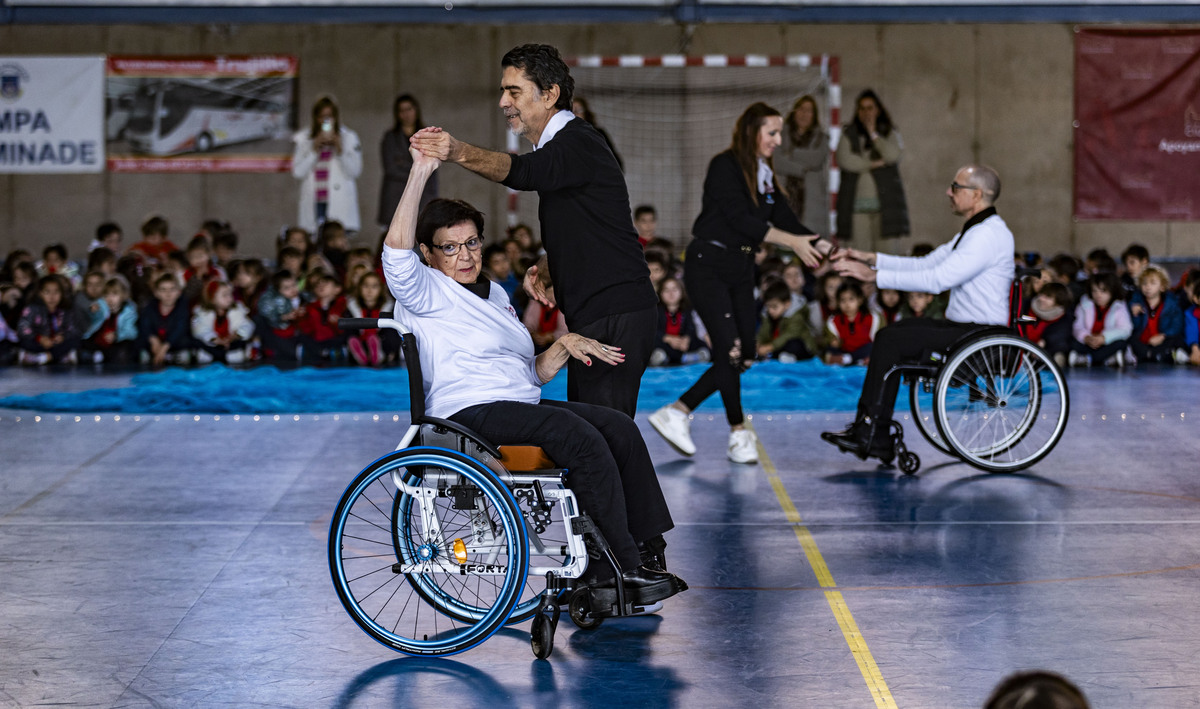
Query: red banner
x,y
1137,124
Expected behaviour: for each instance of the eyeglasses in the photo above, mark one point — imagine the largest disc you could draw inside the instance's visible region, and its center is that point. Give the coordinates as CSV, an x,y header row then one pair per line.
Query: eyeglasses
x,y
450,248
955,187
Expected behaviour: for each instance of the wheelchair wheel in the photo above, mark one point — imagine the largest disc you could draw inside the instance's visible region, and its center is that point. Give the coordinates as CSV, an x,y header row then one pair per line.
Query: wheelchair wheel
x,y
552,538
433,570
921,403
1000,403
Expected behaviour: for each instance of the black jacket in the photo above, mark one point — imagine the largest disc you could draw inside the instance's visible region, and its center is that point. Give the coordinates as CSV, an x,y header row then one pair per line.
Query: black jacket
x,y
729,216
596,263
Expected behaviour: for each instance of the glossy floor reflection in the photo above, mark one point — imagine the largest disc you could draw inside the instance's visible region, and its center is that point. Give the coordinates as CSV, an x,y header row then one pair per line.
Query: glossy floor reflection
x,y
180,561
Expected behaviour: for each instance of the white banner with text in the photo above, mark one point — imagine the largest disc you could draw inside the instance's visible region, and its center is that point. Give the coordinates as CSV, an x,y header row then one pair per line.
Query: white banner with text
x,y
51,114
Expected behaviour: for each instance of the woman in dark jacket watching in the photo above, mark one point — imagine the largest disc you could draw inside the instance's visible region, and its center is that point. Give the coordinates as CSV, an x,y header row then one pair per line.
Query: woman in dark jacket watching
x,y
870,202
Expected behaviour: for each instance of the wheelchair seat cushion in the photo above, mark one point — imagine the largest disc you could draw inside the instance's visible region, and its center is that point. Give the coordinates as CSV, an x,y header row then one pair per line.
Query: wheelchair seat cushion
x,y
525,458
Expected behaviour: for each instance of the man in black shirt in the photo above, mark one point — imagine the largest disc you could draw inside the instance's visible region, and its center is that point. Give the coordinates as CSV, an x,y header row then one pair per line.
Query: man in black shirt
x,y
601,282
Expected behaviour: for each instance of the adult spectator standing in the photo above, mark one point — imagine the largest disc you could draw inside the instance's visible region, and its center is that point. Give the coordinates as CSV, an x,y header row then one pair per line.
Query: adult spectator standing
x,y
870,200
601,281
397,162
803,163
976,266
327,159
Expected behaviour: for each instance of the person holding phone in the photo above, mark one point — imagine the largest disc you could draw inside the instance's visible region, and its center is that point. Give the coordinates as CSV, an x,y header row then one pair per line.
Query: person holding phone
x,y
327,160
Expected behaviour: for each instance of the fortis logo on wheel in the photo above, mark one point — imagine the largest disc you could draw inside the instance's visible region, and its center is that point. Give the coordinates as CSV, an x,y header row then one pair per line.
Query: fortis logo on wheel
x,y
464,569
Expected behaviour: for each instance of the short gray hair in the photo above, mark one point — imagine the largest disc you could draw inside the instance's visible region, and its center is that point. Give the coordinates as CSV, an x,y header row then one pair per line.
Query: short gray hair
x,y
987,180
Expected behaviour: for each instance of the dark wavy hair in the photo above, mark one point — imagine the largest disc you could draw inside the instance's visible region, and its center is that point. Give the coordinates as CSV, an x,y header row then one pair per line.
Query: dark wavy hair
x,y
883,124
402,98
442,213
745,142
544,66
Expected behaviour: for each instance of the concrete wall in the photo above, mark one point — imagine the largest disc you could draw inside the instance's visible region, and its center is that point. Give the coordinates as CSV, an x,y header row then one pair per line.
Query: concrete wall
x,y
1000,94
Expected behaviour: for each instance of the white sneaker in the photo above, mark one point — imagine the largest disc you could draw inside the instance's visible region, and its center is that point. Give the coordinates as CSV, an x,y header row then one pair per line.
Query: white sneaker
x,y
203,357
1180,356
235,356
743,447
1117,360
35,358
1079,360
787,358
1060,360
658,357
673,425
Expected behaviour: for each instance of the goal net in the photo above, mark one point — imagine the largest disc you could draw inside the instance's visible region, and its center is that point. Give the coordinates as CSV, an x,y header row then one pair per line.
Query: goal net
x,y
668,116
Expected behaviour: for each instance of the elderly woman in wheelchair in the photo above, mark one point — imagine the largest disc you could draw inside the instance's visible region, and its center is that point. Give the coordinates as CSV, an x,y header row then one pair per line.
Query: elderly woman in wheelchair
x,y
481,379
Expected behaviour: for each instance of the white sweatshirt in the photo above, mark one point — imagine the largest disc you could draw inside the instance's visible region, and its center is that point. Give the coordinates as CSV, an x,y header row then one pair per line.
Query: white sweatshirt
x,y
473,351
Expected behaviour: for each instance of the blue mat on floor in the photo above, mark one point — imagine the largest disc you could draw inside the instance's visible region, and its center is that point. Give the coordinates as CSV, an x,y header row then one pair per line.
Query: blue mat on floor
x,y
771,386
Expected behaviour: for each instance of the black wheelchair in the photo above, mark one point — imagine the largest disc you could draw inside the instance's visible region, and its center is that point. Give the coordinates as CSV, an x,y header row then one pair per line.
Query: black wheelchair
x,y
993,399
439,544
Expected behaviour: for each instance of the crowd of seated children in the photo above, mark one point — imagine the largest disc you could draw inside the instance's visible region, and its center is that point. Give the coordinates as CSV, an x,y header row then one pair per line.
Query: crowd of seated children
x,y
887,306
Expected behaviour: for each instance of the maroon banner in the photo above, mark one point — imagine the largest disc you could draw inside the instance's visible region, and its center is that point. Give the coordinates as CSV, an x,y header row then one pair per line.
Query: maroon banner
x,y
1137,124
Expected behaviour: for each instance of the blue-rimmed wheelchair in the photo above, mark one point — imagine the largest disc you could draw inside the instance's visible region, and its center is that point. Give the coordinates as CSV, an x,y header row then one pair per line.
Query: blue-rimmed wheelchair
x,y
442,542
993,399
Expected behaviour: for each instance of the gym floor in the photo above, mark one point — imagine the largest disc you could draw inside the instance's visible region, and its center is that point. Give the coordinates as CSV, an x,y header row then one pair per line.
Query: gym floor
x,y
179,561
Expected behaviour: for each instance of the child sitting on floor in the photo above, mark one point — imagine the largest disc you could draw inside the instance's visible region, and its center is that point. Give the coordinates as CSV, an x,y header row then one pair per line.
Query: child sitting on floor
x,y
784,334
164,326
1157,318
114,341
677,339
852,329
368,347
920,305
1191,321
47,331
1102,323
279,309
320,337
221,326
1053,308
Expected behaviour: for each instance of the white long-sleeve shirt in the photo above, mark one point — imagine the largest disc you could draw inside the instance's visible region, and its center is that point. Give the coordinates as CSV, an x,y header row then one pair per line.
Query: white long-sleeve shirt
x,y
473,351
978,273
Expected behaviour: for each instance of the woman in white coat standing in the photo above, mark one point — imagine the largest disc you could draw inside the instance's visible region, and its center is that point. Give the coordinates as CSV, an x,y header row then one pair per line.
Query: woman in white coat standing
x,y
327,160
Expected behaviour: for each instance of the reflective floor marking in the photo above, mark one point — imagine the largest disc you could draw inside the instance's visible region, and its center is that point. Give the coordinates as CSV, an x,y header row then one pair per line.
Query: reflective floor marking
x,y
854,639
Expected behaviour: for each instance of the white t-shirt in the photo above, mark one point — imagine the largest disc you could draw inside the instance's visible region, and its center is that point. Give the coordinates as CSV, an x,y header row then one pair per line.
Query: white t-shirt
x,y
473,351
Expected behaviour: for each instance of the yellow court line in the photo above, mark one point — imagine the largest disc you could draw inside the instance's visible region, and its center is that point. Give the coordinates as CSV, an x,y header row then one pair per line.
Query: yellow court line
x,y
858,645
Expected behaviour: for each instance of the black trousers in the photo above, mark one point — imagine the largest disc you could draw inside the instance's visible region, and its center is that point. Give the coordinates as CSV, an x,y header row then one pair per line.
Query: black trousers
x,y
720,285
902,341
617,386
608,466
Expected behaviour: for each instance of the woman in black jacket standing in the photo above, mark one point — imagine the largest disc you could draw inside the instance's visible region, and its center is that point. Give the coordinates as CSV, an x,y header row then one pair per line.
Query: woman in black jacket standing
x,y
742,207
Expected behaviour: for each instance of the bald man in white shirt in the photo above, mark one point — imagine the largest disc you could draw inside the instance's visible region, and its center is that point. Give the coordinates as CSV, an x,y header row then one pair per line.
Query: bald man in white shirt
x,y
976,266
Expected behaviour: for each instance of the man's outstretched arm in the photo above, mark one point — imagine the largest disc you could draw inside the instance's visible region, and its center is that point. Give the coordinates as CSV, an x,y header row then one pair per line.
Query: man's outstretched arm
x,y
437,143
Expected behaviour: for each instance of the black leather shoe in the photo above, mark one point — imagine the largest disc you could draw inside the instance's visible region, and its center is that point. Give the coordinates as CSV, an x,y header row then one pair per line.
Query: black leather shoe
x,y
653,553
643,587
855,440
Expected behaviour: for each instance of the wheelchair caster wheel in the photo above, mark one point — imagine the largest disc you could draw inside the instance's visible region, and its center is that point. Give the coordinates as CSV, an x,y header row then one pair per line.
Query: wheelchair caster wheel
x,y
541,636
580,610
909,463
